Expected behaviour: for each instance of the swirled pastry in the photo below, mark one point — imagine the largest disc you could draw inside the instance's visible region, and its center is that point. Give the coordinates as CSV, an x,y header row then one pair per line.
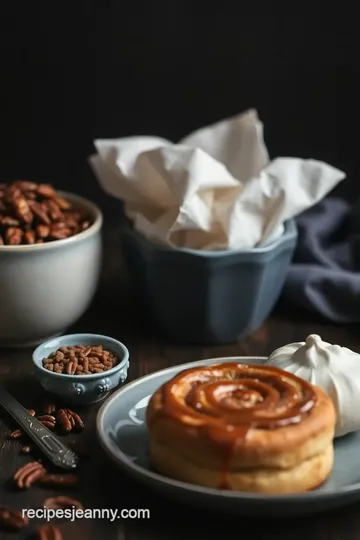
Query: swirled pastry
x,y
242,427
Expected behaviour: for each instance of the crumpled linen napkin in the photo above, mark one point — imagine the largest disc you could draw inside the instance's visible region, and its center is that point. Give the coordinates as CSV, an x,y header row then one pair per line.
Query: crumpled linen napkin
x,y
215,189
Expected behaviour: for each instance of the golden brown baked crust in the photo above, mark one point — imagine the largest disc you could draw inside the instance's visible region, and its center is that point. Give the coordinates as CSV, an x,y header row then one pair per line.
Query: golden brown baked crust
x,y
242,427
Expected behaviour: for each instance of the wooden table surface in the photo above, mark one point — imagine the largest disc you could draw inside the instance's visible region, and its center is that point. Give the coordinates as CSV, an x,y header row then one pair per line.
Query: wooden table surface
x,y
121,315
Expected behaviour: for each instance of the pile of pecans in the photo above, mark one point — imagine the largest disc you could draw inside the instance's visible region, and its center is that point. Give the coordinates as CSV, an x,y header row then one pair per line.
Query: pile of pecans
x,y
33,213
80,360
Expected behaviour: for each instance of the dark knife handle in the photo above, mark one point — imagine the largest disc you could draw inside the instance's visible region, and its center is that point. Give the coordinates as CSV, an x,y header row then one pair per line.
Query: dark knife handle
x,y
54,449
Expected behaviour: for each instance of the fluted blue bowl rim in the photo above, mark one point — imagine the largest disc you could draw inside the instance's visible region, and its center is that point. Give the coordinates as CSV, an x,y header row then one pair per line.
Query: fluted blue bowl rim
x,y
289,234
44,349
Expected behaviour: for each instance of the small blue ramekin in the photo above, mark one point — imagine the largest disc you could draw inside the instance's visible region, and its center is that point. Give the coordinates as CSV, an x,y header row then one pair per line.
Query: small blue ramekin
x,y
81,389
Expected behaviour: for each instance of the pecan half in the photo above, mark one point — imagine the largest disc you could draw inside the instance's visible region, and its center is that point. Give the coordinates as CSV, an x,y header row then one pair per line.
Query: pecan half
x,y
50,367
8,221
63,204
62,419
25,476
45,190
48,532
12,519
47,420
25,185
22,209
43,231
29,237
12,192
72,421
49,407
40,213
16,434
75,419
13,236
54,212
59,480
62,502
70,368
59,233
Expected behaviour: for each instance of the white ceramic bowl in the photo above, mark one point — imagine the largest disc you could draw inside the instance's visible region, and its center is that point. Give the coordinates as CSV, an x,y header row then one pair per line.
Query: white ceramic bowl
x,y
45,288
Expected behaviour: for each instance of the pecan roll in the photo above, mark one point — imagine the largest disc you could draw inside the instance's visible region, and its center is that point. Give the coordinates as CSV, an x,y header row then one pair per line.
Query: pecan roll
x,y
242,427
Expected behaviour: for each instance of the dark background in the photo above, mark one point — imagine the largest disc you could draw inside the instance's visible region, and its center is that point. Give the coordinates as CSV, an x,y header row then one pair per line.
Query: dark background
x,y
111,69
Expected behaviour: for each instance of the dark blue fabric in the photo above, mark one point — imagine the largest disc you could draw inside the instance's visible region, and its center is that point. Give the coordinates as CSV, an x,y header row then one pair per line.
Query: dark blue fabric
x,y
325,274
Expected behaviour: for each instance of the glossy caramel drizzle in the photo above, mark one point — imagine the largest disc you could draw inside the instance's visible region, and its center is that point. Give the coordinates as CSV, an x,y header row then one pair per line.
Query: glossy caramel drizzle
x,y
227,400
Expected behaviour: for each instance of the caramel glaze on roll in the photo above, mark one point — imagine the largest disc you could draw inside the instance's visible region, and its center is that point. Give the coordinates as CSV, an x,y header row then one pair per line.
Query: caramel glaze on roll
x,y
242,427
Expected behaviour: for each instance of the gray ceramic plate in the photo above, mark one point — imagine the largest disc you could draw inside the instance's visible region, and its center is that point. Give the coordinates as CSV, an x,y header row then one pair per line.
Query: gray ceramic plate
x,y
123,435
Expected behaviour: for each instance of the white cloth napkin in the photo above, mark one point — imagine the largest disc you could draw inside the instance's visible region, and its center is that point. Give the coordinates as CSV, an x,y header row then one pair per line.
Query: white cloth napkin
x,y
215,189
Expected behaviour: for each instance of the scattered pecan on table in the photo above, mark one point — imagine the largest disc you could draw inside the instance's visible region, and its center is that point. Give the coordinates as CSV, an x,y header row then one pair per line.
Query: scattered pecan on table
x,y
34,471
12,519
33,213
47,420
68,420
80,360
49,407
48,532
18,433
65,420
59,480
62,502
76,422
28,474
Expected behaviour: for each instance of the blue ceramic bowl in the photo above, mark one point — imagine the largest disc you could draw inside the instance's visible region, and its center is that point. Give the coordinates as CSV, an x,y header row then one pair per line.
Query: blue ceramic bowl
x,y
81,389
